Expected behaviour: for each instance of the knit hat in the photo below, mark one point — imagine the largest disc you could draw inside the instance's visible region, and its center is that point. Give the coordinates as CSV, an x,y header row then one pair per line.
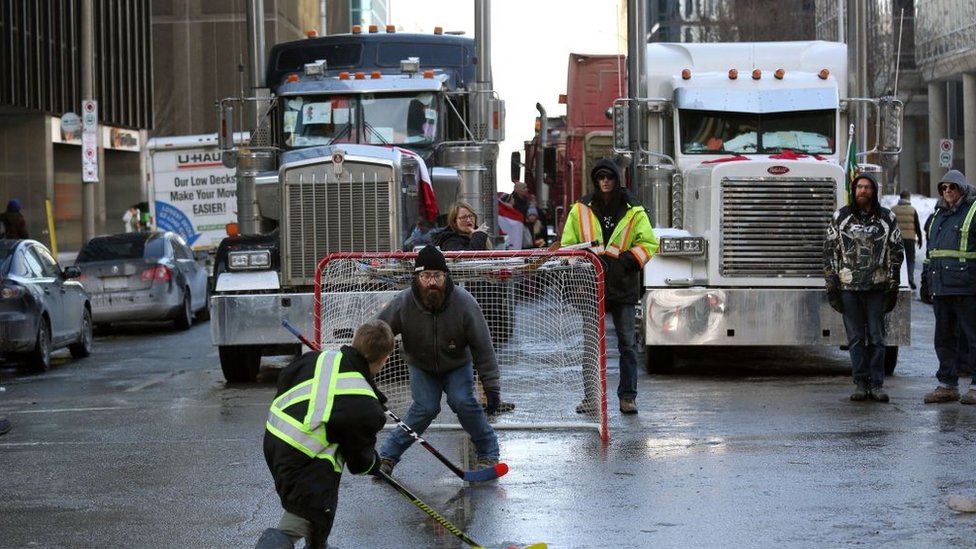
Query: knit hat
x,y
532,211
13,205
430,259
956,177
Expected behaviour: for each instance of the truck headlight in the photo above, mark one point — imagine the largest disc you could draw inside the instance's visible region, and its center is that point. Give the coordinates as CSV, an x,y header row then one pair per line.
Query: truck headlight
x,y
249,260
684,245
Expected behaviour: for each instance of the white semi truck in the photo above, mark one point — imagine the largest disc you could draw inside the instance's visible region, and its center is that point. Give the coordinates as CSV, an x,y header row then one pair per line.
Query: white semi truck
x,y
742,155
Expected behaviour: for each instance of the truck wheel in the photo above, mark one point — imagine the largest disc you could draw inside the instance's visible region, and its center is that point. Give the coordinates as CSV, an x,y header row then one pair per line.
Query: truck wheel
x,y
891,359
660,359
240,363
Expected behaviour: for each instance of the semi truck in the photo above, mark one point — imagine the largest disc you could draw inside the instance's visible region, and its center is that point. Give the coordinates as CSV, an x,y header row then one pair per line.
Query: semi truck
x,y
360,136
565,149
741,160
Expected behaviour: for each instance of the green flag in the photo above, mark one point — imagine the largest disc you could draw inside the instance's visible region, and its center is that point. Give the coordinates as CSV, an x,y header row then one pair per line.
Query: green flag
x,y
851,165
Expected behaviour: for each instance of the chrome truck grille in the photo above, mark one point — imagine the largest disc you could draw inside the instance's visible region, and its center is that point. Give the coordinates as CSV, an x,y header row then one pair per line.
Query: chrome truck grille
x,y
775,228
326,213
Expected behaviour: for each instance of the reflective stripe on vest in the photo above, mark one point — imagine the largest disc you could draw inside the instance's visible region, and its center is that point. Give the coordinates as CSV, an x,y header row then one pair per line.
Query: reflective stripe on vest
x,y
586,219
962,254
309,435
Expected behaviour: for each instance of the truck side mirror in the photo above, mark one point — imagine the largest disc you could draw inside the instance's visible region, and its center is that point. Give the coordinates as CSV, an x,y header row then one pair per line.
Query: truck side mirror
x,y
516,166
891,111
548,165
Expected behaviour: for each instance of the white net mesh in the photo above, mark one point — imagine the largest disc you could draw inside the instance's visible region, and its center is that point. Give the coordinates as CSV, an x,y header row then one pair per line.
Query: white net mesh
x,y
544,311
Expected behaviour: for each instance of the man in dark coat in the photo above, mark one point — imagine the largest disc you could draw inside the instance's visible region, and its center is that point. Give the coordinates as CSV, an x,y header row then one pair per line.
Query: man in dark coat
x,y
863,254
325,415
12,222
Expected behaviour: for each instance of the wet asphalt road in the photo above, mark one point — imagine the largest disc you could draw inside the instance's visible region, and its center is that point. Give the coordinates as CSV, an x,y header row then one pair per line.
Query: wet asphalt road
x,y
144,445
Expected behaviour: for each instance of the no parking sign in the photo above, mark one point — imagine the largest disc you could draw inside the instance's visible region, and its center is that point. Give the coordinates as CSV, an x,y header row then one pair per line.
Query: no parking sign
x,y
945,153
89,141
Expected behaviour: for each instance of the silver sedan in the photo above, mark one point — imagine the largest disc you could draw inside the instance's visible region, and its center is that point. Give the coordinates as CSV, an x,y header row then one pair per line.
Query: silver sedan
x,y
143,276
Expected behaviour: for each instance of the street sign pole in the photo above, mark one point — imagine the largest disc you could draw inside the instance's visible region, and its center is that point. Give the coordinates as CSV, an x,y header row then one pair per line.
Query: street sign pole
x,y
89,134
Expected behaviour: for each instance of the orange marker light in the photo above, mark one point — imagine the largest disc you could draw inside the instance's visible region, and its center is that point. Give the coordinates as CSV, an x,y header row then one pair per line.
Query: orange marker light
x,y
292,78
733,74
685,74
356,29
823,74
375,75
438,30
756,74
311,33
360,76
390,29
428,74
373,29
344,75
779,74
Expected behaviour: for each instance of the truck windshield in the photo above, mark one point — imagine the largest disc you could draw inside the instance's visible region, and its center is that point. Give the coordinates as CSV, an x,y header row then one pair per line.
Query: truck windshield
x,y
374,119
716,132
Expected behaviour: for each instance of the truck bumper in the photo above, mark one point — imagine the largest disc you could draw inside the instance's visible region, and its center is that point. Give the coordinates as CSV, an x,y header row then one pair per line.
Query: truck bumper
x,y
255,319
770,316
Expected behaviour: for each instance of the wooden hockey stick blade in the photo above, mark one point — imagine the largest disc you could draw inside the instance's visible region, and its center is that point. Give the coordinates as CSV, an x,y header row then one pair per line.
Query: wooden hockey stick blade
x,y
488,473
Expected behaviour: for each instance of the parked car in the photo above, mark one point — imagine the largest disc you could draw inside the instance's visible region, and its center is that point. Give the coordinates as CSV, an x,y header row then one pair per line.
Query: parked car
x,y
42,306
143,276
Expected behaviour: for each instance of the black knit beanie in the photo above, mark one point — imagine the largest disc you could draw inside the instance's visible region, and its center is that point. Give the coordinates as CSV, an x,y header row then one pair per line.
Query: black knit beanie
x,y
430,259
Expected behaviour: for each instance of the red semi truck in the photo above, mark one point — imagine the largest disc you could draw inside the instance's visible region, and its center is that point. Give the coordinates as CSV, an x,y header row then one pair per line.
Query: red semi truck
x,y
568,146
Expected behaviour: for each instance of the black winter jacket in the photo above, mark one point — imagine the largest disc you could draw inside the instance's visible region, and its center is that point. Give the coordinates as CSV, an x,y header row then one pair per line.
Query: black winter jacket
x,y
306,486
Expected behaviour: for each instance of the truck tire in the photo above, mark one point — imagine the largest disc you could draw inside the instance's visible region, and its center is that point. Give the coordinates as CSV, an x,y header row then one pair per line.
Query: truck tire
x,y
660,359
240,363
890,359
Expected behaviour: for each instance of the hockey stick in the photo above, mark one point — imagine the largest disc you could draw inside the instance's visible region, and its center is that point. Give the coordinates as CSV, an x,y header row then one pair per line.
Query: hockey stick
x,y
477,475
436,516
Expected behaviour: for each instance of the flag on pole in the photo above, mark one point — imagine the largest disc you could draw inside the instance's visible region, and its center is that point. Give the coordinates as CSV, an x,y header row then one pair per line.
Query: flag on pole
x,y
851,164
425,190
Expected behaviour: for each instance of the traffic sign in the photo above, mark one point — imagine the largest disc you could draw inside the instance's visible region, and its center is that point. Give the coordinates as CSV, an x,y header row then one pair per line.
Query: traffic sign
x,y
89,141
945,145
945,159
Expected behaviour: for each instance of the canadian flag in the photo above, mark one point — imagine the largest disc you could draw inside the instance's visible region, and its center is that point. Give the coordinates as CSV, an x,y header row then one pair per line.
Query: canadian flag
x,y
428,201
512,223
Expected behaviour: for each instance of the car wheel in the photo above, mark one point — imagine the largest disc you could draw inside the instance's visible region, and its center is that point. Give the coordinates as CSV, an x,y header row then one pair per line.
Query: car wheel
x,y
240,363
890,359
83,346
39,359
185,320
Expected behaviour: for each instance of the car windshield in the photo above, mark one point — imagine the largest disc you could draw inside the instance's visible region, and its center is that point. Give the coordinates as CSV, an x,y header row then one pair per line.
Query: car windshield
x,y
123,246
716,132
375,119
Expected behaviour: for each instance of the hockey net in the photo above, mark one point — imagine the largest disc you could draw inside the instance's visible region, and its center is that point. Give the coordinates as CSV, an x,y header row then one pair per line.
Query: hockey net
x,y
544,310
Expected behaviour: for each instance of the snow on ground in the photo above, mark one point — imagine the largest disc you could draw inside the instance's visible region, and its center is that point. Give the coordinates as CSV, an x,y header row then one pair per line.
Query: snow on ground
x,y
924,205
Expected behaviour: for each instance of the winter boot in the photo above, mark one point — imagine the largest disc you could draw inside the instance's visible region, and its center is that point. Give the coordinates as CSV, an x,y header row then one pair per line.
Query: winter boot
x,y
942,393
273,538
969,397
878,394
628,406
861,392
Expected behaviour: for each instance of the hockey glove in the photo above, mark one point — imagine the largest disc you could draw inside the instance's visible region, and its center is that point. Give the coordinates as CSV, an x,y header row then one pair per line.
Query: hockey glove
x,y
890,298
833,294
494,398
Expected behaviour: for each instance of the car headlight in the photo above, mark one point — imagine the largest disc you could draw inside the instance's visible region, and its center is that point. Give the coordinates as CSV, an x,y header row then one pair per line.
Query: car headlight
x,y
249,260
684,245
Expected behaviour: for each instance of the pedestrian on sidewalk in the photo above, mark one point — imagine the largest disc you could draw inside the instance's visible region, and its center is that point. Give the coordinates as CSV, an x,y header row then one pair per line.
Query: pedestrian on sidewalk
x,y
911,231
951,272
863,253
12,222
325,415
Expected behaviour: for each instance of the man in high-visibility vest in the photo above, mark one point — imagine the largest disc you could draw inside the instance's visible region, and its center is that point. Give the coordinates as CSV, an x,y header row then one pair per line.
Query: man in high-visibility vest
x,y
613,218
951,272
325,416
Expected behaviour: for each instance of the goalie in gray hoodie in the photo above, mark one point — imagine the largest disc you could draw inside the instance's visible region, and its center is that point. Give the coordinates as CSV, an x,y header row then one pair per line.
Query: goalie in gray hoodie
x,y
445,338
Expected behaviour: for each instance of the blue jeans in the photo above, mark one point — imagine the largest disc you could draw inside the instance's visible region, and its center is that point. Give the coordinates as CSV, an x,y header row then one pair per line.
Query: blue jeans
x,y
864,323
955,319
623,315
426,389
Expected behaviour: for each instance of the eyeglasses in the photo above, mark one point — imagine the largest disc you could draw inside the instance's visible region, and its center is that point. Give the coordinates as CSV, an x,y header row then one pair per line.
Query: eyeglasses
x,y
428,276
605,175
465,217
944,186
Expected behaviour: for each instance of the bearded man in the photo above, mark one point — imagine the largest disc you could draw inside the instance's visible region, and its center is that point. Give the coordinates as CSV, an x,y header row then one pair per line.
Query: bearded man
x,y
445,338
